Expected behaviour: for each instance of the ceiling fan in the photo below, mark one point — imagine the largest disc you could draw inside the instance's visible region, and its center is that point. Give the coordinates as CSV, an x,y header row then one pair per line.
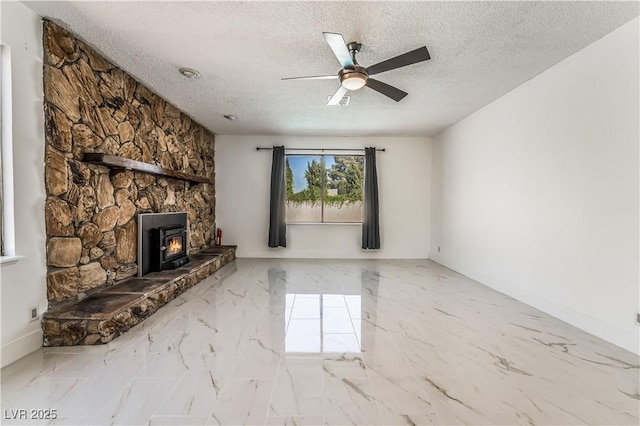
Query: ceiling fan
x,y
352,76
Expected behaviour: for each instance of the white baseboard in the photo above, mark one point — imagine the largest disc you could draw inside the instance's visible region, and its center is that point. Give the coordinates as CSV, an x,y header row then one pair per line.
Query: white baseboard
x,y
619,337
20,347
310,254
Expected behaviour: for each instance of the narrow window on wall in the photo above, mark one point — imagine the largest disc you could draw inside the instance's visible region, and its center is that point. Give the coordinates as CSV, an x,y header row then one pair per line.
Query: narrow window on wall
x,y
6,197
2,77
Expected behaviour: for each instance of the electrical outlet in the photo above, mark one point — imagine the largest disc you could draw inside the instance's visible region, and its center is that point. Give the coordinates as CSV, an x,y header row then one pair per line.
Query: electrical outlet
x,y
438,249
34,313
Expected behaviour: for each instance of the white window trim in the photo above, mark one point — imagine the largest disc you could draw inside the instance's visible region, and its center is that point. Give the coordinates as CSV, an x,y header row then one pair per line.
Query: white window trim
x,y
9,260
326,223
9,240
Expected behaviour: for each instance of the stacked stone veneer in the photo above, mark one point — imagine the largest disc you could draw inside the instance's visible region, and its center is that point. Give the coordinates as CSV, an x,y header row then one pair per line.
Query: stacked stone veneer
x,y
92,106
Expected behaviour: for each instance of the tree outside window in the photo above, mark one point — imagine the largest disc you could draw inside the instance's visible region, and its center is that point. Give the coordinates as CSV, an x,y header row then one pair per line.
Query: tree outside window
x,y
324,188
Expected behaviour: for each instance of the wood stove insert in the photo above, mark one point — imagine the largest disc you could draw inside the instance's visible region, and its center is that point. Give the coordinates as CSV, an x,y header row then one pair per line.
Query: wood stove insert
x,y
168,247
163,241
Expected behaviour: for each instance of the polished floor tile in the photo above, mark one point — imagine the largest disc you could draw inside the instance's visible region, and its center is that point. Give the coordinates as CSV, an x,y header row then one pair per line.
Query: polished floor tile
x,y
335,342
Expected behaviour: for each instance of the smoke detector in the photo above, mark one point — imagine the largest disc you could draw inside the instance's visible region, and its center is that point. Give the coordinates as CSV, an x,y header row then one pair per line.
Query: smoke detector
x,y
189,73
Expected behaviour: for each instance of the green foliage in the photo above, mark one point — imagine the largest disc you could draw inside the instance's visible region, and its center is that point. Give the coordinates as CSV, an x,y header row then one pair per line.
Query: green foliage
x,y
345,176
314,176
337,200
289,180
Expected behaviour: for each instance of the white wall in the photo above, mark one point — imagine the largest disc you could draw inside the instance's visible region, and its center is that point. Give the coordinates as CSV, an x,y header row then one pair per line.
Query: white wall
x,y
23,284
242,199
536,194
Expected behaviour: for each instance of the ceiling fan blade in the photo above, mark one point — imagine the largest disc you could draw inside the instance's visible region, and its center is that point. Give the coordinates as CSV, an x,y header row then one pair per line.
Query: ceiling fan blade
x,y
339,47
335,99
390,91
314,77
418,55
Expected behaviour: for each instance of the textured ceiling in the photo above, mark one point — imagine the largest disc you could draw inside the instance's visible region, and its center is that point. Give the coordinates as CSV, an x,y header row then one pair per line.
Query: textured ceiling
x,y
479,51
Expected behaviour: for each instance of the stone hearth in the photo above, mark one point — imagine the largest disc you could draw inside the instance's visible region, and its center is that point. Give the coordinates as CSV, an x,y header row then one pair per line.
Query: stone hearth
x,y
112,311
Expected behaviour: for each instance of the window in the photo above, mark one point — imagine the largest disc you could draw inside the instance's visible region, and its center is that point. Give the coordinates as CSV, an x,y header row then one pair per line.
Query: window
x,y
3,73
324,188
6,170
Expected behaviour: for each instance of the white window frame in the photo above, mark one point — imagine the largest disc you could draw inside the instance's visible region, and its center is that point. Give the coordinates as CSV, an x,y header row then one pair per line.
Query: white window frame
x,y
8,254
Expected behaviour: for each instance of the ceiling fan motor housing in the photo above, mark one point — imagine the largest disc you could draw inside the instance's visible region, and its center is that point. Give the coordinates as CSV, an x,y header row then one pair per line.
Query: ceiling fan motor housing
x,y
353,78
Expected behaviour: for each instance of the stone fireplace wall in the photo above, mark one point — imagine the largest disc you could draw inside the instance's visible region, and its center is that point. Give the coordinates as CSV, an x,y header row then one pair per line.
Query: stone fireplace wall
x,y
91,105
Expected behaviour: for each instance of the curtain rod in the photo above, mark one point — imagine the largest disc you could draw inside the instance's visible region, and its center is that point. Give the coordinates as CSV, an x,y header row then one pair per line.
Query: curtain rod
x,y
260,148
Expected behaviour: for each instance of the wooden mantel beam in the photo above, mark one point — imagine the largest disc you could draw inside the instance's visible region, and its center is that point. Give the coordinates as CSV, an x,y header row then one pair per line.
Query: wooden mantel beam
x,y
117,163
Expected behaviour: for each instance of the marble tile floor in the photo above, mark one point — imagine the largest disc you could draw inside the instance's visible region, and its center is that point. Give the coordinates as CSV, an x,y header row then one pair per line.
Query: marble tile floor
x,y
336,342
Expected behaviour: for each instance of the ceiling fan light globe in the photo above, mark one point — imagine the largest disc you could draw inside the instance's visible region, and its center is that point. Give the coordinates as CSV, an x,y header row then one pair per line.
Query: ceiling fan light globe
x,y
354,82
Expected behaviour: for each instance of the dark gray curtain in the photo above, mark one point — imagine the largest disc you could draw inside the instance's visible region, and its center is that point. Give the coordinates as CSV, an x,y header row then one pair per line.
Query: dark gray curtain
x,y
277,224
371,221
